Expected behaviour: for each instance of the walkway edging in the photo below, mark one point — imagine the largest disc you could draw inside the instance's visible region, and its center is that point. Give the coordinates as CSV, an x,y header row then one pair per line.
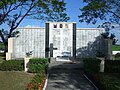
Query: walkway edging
x,y
46,81
91,82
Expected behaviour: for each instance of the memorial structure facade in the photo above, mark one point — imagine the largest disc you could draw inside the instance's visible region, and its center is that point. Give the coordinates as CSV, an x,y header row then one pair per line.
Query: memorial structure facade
x,y
57,39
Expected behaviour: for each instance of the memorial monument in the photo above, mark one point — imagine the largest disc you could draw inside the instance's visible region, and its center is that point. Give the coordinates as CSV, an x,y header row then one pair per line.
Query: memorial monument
x,y
57,39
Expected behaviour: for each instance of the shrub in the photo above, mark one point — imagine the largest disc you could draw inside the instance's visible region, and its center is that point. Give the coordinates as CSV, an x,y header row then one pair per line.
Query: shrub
x,y
37,81
117,55
12,65
105,81
36,65
112,66
99,54
92,65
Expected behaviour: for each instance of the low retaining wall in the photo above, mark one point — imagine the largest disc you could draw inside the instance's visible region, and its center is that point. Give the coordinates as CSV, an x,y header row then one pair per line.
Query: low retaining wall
x,y
115,52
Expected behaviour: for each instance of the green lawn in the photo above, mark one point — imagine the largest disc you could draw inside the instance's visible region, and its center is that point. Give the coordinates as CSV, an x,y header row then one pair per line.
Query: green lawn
x,y
116,47
2,45
112,80
111,77
14,80
2,57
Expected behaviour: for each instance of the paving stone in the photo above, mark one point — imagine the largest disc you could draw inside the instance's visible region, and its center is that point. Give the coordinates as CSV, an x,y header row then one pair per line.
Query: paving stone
x,y
67,76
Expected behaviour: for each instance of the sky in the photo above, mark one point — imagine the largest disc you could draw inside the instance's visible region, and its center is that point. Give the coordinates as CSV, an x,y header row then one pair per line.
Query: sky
x,y
72,9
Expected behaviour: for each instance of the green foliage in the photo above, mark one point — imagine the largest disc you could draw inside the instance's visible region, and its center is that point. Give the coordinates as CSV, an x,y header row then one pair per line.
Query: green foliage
x,y
92,65
117,56
39,66
14,80
99,54
110,80
37,80
115,47
106,10
36,65
2,46
12,65
13,12
2,54
107,36
112,66
106,81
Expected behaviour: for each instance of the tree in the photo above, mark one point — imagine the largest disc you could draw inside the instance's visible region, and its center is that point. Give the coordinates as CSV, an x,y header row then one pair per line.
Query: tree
x,y
13,12
106,10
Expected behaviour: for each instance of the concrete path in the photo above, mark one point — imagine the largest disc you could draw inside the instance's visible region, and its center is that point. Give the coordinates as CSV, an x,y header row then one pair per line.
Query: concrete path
x,y
67,76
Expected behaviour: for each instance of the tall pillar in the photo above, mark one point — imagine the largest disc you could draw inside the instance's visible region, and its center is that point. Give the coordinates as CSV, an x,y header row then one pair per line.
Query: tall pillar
x,y
74,40
108,49
47,40
10,49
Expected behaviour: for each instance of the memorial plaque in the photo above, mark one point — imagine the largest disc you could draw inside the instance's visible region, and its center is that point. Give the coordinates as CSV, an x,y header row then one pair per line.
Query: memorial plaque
x,y
61,36
65,38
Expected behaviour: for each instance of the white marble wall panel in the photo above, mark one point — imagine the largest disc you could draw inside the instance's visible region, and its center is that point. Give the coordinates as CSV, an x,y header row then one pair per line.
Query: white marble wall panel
x,y
61,37
88,41
30,39
33,39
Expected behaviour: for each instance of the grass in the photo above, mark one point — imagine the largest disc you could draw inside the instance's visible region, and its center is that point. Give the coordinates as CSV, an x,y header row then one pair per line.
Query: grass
x,y
106,81
117,58
116,47
14,80
2,45
111,77
112,80
2,57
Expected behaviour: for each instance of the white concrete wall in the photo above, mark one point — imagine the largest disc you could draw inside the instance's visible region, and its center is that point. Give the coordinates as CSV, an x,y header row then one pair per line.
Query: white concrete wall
x,y
30,39
88,40
62,38
115,52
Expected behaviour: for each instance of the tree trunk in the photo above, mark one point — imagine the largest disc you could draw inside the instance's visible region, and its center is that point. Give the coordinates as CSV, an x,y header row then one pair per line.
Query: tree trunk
x,y
4,41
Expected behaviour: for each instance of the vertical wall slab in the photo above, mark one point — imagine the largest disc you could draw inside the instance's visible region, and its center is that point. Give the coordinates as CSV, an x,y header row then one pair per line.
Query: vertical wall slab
x,y
47,40
88,41
26,64
74,40
62,35
10,49
64,38
29,39
10,44
108,49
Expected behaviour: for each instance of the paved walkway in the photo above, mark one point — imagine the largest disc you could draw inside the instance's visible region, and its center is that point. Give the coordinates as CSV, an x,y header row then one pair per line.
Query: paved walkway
x,y
67,76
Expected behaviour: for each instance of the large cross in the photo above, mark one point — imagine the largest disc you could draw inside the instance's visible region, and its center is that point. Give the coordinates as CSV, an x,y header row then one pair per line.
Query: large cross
x,y
51,49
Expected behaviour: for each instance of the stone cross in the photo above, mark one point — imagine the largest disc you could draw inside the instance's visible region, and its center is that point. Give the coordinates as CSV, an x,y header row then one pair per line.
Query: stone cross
x,y
51,49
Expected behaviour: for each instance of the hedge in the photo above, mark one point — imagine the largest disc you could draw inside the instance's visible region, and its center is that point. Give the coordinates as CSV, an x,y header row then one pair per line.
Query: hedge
x,y
109,80
92,65
36,82
37,64
112,66
105,81
12,65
